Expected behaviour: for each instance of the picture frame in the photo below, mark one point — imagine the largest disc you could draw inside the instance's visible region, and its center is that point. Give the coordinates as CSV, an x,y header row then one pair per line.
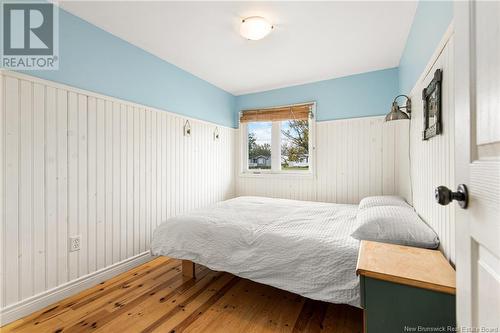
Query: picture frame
x,y
431,96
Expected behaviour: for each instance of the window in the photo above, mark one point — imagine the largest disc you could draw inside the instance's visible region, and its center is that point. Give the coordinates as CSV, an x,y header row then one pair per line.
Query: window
x,y
294,145
259,145
277,140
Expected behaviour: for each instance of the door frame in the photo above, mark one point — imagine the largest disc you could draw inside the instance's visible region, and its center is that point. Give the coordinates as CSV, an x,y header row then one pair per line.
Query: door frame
x,y
464,98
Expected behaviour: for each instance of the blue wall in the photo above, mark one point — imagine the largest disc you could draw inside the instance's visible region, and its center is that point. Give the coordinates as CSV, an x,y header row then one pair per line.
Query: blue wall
x,y
432,18
361,95
94,60
367,94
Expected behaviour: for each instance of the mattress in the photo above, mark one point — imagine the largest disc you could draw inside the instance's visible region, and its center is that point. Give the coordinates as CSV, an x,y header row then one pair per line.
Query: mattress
x,y
300,246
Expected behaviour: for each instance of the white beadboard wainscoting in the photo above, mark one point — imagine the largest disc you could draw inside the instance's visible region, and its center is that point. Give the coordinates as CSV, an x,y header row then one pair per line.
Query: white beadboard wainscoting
x,y
355,158
78,163
432,161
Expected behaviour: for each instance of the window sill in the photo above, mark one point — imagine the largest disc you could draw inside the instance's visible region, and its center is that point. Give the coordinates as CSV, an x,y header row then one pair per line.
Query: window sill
x,y
303,175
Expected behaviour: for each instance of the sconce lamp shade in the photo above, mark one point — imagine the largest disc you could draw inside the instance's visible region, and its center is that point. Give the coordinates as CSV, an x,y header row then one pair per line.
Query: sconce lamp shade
x,y
396,111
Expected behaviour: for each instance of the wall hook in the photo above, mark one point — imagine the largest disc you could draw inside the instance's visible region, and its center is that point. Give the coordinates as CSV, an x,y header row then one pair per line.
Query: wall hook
x,y
187,128
216,133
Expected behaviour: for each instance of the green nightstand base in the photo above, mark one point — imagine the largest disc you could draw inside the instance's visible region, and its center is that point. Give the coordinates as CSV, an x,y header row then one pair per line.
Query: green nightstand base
x,y
392,307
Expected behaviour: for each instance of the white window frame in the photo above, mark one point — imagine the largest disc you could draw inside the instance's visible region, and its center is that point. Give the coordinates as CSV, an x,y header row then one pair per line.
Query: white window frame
x,y
276,149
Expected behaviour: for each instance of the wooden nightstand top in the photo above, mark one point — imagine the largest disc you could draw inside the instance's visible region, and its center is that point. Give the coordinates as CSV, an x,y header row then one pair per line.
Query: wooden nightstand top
x,y
407,265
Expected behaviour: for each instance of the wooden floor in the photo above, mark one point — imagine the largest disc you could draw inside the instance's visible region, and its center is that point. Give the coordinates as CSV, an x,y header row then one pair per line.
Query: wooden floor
x,y
155,297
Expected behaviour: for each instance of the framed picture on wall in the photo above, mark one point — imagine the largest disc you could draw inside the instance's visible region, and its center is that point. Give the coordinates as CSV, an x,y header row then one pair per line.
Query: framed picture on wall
x,y
431,96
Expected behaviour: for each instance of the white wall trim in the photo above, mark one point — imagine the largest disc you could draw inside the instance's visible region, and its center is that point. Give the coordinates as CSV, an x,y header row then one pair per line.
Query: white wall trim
x,y
349,119
90,93
37,302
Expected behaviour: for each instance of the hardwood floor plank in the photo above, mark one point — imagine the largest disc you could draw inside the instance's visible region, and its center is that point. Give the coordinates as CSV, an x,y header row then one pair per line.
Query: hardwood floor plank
x,y
272,318
226,310
186,307
311,317
157,306
124,289
196,313
123,285
250,307
156,297
342,318
121,306
58,310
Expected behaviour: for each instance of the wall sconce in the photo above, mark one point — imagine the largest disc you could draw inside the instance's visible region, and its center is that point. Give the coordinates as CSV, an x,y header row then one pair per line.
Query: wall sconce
x,y
216,133
396,110
187,128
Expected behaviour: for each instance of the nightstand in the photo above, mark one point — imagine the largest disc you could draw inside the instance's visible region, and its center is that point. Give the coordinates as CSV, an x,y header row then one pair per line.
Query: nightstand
x,y
404,288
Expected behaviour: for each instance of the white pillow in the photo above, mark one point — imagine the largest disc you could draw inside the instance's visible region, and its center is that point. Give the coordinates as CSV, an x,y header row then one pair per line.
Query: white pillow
x,y
396,225
382,200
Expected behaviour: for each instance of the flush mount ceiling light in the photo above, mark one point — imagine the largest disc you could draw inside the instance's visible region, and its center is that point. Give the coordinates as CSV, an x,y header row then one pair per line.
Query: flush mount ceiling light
x,y
255,27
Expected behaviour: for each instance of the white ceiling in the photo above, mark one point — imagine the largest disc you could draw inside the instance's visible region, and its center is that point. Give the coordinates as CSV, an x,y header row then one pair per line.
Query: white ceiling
x,y
311,41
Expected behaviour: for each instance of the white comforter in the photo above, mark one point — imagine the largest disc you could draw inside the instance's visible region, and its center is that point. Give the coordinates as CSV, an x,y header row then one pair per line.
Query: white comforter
x,y
300,246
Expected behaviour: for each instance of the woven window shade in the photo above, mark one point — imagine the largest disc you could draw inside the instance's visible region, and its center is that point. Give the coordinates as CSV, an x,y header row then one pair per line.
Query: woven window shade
x,y
295,112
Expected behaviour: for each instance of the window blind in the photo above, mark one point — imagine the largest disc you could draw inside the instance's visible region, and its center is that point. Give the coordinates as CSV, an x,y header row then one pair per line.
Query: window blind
x,y
295,112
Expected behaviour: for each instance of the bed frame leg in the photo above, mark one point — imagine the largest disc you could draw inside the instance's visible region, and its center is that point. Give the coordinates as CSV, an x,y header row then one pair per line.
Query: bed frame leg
x,y
188,269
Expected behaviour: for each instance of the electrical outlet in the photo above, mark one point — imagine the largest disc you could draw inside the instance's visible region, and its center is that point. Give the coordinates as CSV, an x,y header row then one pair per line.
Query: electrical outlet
x,y
74,243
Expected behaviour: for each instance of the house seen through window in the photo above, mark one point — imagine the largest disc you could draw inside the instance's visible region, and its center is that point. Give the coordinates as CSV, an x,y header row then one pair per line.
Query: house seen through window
x,y
277,139
259,145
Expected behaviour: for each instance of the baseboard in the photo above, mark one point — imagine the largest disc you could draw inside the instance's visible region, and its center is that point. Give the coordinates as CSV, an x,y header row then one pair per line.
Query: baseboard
x,y
25,307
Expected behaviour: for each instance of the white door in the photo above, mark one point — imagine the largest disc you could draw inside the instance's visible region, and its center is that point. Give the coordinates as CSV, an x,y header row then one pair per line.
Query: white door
x,y
477,140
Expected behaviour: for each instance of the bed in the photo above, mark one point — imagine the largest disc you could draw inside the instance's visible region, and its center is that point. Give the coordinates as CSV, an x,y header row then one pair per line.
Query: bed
x,y
300,246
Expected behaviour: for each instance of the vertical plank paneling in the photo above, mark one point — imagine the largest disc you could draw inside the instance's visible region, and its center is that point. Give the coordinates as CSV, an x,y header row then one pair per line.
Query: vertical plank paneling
x,y
174,123
116,162
154,170
101,185
2,193
26,189
147,157
364,161
142,181
10,242
355,158
160,141
432,161
91,184
130,181
73,179
388,157
342,160
331,167
136,189
51,234
39,181
108,161
62,185
80,164
82,184
123,182
164,182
